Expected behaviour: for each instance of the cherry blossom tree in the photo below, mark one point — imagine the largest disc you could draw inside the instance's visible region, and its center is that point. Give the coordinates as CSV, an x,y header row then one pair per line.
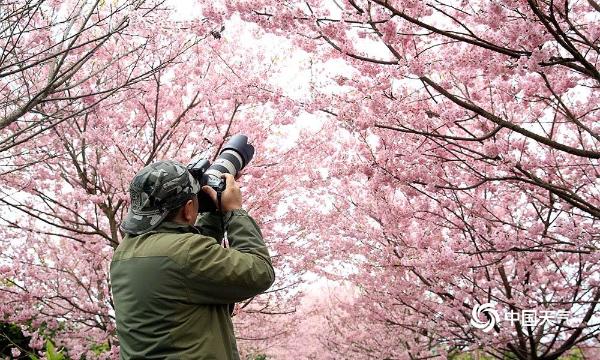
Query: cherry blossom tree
x,y
60,216
59,59
466,167
454,164
318,325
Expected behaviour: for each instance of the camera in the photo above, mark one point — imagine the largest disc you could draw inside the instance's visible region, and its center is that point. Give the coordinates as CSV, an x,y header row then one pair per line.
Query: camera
x,y
234,156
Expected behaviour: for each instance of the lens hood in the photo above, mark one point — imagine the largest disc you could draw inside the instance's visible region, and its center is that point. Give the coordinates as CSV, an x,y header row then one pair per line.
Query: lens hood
x,y
239,144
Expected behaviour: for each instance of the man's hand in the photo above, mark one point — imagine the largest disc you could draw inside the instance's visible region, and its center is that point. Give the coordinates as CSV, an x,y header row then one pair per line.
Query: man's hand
x,y
231,199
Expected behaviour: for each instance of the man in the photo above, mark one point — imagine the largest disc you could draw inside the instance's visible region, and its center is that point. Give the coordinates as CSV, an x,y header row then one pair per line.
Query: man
x,y
172,282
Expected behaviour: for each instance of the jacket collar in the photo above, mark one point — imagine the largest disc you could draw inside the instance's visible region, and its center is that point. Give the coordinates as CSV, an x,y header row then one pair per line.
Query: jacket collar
x,y
173,227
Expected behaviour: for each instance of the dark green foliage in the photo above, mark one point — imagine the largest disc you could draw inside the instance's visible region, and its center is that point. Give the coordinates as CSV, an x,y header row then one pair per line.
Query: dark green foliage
x,y
11,337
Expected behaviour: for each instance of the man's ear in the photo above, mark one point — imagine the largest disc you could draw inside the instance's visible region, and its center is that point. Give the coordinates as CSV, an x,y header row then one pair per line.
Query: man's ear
x,y
189,212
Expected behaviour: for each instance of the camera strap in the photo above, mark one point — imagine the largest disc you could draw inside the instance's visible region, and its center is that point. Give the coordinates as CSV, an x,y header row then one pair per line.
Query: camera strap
x,y
225,241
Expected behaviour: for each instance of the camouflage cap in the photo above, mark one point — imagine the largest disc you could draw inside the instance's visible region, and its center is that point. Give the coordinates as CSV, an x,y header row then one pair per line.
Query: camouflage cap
x,y
155,190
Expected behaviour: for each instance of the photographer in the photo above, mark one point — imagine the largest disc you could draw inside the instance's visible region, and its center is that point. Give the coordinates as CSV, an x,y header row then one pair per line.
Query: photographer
x,y
172,282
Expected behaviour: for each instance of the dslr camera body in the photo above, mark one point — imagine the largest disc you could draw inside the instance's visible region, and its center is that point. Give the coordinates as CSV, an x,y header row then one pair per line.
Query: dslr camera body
x,y
234,156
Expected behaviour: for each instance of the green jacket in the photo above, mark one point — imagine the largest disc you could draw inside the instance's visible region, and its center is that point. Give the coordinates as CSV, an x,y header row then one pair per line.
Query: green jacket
x,y
172,286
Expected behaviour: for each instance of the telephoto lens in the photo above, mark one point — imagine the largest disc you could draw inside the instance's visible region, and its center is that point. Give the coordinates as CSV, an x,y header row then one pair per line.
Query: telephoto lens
x,y
234,156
